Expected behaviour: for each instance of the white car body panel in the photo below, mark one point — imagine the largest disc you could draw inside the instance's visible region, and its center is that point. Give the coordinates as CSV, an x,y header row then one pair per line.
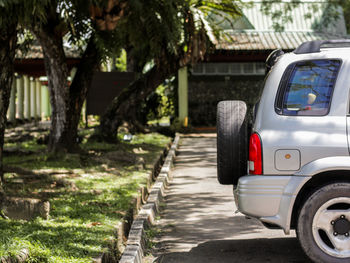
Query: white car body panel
x,y
322,143
269,198
316,137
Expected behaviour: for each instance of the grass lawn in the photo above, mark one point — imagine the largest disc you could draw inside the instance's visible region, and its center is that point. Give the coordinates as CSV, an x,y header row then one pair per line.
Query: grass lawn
x,y
89,194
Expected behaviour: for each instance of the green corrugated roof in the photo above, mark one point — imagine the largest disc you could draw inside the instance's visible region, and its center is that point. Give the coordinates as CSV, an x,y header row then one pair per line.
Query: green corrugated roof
x,y
269,40
306,16
255,30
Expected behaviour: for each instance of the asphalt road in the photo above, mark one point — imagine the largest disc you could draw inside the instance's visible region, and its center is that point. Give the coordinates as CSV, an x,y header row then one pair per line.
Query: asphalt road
x,y
199,223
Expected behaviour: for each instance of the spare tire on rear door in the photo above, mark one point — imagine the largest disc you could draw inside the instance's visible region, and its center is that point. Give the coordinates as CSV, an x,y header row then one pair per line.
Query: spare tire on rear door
x,y
232,145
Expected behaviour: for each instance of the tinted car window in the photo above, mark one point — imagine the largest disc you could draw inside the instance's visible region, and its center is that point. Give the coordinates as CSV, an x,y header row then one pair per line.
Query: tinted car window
x,y
309,88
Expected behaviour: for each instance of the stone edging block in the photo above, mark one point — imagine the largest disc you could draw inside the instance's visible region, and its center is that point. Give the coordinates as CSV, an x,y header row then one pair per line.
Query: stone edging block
x,y
133,252
22,256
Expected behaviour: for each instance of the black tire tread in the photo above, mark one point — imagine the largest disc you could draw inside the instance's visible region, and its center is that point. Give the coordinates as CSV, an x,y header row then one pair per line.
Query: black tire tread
x,y
231,141
309,209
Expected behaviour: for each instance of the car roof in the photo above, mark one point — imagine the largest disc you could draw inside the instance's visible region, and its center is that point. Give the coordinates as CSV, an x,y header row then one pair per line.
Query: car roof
x,y
316,45
342,53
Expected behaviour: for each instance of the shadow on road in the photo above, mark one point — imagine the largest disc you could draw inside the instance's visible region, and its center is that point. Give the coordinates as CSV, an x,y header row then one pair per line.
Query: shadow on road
x,y
273,250
198,223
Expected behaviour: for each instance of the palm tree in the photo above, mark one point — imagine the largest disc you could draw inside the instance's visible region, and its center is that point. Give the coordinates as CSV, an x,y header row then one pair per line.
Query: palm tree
x,y
171,35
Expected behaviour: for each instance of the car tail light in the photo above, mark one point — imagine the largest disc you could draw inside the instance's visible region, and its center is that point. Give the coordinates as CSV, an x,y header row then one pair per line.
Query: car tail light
x,y
255,154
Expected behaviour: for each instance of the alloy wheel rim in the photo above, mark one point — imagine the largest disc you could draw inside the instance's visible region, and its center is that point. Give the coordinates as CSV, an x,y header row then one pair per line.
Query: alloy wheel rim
x,y
333,217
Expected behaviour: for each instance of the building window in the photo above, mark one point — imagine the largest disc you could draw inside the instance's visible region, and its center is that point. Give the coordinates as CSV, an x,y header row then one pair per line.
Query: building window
x,y
223,68
246,68
236,68
198,69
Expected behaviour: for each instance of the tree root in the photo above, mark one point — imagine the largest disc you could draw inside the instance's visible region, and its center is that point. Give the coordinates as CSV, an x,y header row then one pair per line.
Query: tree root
x,y
3,215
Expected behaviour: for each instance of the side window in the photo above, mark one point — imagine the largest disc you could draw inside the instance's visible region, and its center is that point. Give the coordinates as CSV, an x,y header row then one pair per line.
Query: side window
x,y
308,88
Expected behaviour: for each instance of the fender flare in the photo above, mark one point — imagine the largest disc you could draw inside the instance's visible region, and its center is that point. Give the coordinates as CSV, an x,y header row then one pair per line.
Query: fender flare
x,y
324,165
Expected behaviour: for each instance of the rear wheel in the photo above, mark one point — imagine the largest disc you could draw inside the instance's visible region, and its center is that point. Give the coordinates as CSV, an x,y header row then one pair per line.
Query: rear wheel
x,y
231,141
324,224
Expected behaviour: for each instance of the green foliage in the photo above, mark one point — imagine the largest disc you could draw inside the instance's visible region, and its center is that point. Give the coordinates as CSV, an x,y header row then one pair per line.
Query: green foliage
x,y
170,26
212,14
25,40
165,24
151,233
13,246
73,22
22,11
160,103
148,32
166,95
171,32
120,62
84,212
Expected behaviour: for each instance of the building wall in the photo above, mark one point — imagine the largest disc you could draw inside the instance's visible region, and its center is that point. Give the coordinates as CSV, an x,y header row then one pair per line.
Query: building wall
x,y
205,92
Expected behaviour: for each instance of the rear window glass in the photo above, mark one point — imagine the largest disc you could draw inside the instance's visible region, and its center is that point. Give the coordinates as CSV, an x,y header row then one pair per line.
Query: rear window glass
x,y
308,90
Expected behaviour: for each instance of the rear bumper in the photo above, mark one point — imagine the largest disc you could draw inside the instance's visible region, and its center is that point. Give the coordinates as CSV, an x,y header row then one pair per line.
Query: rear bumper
x,y
269,198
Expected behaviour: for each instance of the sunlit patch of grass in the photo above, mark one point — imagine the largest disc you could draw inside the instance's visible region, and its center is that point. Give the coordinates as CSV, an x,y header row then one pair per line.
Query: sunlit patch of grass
x,y
84,212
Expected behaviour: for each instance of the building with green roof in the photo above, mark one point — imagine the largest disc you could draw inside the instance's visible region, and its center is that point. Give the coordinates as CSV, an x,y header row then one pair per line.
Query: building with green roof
x,y
236,69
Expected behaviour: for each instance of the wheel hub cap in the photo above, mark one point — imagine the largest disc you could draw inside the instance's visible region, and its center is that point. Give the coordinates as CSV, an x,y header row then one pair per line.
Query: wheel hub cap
x,y
341,226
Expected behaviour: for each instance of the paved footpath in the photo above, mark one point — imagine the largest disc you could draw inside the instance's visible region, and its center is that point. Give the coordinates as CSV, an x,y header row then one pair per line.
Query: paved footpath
x,y
198,223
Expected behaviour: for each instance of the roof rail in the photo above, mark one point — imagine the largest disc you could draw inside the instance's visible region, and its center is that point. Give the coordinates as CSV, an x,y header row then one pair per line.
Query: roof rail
x,y
315,45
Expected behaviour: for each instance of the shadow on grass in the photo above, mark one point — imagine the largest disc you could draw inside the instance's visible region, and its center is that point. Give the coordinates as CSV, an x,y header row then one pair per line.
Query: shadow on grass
x,y
86,205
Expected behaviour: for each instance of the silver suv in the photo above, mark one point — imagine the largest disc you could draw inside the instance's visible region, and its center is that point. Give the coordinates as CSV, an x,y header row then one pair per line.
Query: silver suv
x,y
298,155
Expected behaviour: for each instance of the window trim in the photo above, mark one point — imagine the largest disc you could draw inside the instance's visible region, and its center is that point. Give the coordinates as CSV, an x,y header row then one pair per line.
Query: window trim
x,y
282,87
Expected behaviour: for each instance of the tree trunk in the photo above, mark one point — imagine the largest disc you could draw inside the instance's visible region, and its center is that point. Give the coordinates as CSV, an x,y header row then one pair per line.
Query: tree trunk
x,y
50,36
130,61
57,74
123,107
66,101
8,44
77,93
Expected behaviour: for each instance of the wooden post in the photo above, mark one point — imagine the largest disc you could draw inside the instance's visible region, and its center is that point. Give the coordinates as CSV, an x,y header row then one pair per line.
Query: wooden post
x,y
12,107
33,114
183,95
27,114
38,98
20,97
45,101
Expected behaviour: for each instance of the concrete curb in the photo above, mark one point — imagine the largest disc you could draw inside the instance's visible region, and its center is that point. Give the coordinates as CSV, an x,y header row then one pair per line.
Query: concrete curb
x,y
133,252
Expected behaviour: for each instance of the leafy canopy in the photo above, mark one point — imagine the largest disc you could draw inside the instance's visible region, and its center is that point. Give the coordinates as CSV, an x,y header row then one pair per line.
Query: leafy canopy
x,y
22,11
175,27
